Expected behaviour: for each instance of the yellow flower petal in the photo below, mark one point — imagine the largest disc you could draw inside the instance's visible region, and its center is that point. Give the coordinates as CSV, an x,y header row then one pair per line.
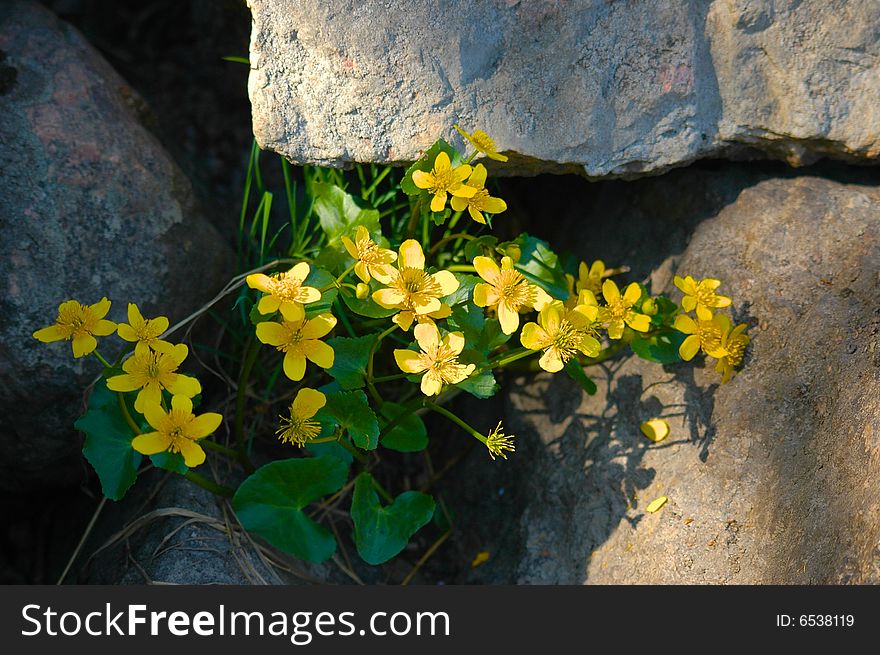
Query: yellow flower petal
x,y
633,293
308,402
427,336
478,177
409,361
185,385
446,281
689,347
321,354
49,334
657,429
294,366
299,272
260,282
349,246
203,425
124,382
411,255
438,202
431,384
423,304
154,414
610,291
270,305
422,179
638,322
193,455
182,403
319,326
100,308
656,504
455,342
104,328
533,336
550,361
494,205
487,269
508,317
271,333
458,204
151,443
388,298
135,318
686,324
83,344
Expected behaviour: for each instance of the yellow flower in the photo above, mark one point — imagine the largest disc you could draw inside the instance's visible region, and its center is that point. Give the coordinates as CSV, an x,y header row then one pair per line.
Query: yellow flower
x,y
507,291
481,201
704,335
497,442
285,292
413,291
590,278
151,372
299,428
176,431
619,309
438,359
733,342
700,296
299,340
372,261
146,331
80,324
481,141
561,333
443,180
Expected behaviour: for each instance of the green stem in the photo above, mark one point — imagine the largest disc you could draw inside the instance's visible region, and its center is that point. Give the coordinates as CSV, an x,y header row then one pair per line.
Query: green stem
x,y
389,378
123,406
462,268
211,486
370,386
253,350
509,357
452,417
414,219
213,445
101,359
358,455
378,487
341,277
406,412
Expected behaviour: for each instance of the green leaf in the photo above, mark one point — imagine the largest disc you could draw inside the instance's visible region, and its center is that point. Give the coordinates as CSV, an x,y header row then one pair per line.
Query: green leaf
x,y
470,320
270,503
380,533
330,449
108,442
170,462
484,245
319,279
465,291
576,372
350,360
662,348
340,212
351,411
426,163
408,436
540,265
256,317
366,307
482,385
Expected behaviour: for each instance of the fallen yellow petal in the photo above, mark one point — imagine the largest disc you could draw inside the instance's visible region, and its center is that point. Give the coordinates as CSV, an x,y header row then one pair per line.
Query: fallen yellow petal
x,y
656,504
481,558
656,429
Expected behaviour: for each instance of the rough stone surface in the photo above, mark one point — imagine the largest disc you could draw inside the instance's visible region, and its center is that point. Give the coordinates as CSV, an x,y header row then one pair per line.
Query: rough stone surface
x,y
771,478
169,531
90,205
601,88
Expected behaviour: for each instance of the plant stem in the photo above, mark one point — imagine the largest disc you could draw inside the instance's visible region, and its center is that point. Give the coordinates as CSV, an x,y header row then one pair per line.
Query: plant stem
x,y
389,378
414,219
123,406
359,456
408,409
462,268
378,487
211,486
101,359
220,448
370,386
509,357
452,417
253,349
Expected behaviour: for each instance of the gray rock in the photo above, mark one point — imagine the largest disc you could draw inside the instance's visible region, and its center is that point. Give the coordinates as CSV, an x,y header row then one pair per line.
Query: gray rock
x,y
90,205
771,478
169,531
600,88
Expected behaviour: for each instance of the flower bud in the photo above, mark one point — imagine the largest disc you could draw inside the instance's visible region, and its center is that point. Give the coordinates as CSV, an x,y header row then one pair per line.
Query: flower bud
x,y
362,291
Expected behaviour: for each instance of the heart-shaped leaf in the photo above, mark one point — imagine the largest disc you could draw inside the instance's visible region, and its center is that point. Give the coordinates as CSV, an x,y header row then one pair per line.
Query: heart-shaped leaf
x,y
351,411
380,533
409,435
108,442
270,503
350,362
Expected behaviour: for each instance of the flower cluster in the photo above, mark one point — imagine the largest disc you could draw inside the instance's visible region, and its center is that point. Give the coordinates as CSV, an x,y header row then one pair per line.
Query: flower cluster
x,y
150,371
708,331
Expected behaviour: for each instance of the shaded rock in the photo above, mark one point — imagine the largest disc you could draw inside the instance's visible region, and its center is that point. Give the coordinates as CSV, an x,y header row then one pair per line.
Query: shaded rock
x,y
171,531
771,478
91,205
601,88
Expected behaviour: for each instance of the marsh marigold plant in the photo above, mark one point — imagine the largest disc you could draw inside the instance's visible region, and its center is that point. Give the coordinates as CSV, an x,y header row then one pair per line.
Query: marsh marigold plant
x,y
363,302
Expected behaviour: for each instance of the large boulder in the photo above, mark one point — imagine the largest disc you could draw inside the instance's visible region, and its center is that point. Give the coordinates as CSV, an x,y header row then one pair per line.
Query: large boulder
x,y
771,478
91,205
600,88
